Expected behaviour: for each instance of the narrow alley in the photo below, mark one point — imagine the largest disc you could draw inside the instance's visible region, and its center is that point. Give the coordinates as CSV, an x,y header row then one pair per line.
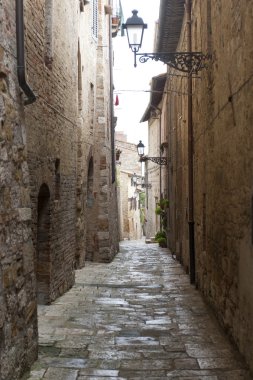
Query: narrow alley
x,y
135,318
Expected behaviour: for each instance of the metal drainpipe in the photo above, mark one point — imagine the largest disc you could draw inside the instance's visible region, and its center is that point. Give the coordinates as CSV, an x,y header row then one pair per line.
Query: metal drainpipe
x,y
21,53
160,155
190,154
111,101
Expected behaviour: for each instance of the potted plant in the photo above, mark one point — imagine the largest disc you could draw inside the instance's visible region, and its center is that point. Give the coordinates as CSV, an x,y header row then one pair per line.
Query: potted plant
x,y
161,239
160,210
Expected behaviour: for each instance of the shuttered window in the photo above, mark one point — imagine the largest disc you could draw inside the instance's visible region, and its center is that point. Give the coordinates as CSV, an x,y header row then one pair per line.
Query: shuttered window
x,y
95,18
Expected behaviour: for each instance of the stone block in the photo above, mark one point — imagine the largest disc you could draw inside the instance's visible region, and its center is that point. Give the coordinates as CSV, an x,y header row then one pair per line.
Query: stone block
x,y
25,214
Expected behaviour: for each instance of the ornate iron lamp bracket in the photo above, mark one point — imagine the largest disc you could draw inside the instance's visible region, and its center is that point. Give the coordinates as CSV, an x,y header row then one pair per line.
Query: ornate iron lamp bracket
x,y
146,185
157,160
188,62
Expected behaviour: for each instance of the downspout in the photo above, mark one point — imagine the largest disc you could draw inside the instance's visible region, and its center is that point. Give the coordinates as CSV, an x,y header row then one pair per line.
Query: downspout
x,y
31,98
160,156
190,152
111,102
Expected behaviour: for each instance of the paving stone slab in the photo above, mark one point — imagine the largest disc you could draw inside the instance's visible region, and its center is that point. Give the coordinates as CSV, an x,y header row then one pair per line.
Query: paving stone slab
x,y
137,317
99,372
60,374
60,362
101,378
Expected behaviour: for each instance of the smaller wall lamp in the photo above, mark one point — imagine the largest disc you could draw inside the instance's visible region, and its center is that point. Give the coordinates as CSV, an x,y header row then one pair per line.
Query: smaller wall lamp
x,y
135,180
157,160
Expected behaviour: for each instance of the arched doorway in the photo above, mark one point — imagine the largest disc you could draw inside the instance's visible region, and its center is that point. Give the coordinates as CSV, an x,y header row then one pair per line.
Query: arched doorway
x,y
43,263
91,236
90,184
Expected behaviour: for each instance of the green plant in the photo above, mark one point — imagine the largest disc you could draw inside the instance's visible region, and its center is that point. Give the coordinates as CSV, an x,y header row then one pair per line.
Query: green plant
x,y
142,198
158,210
162,242
161,210
159,235
164,203
161,239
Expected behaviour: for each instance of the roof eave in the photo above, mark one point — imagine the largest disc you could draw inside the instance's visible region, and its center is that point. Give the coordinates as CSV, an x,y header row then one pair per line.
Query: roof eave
x,y
171,16
156,94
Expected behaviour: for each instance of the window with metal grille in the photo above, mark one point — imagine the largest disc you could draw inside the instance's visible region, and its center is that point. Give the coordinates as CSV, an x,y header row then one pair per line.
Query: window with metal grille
x,y
95,18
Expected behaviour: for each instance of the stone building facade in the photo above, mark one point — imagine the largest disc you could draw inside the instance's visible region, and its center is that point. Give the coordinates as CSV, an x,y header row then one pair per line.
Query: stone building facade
x,y
128,193
57,165
223,171
218,102
96,188
51,125
18,299
155,174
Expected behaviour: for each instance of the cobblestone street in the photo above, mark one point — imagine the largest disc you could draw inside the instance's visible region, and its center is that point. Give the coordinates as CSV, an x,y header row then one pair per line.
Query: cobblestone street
x,y
135,318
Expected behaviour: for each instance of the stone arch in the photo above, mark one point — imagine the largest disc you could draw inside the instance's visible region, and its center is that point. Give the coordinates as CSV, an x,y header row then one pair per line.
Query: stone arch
x,y
43,261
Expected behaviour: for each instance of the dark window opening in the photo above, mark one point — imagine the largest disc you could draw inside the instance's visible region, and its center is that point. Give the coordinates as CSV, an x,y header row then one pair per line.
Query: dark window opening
x,y
48,34
79,66
57,179
204,223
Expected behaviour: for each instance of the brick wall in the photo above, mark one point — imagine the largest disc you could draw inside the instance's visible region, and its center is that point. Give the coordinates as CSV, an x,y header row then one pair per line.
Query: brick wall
x,y
95,121
51,45
56,165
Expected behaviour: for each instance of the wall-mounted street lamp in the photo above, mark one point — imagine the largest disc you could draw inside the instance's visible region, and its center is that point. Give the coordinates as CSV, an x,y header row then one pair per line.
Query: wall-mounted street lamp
x,y
139,181
189,62
135,180
143,158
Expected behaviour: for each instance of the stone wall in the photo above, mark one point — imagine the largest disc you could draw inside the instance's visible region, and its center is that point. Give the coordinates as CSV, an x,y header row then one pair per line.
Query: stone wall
x,y
177,121
155,175
222,166
128,199
223,117
18,308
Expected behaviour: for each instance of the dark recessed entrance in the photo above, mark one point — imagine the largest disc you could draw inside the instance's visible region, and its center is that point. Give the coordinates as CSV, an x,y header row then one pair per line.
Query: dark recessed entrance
x,y
43,263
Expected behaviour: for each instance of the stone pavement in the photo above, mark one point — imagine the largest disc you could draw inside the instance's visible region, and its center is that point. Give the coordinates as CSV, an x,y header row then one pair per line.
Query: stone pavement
x,y
135,318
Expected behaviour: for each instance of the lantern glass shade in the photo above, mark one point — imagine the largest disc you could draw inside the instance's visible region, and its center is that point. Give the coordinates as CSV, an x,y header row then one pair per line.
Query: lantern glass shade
x,y
134,178
135,29
140,148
